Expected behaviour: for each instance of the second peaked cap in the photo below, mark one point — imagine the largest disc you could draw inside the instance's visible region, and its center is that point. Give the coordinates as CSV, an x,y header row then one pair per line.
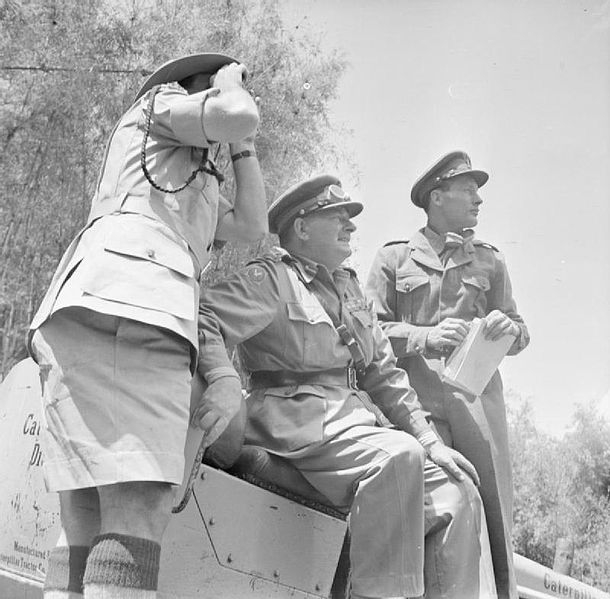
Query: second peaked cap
x,y
449,166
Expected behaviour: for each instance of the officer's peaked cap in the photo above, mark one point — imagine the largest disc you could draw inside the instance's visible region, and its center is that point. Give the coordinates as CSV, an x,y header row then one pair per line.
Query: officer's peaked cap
x,y
449,166
315,195
180,68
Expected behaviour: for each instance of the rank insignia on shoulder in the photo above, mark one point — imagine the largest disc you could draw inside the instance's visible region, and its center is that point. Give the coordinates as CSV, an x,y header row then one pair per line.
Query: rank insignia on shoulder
x,y
274,254
385,245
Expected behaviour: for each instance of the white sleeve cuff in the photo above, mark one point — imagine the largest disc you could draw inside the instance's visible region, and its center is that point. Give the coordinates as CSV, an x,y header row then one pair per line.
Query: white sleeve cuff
x,y
427,439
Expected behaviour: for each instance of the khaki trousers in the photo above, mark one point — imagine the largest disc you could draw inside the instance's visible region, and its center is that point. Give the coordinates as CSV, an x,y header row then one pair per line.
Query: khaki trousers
x,y
477,428
402,509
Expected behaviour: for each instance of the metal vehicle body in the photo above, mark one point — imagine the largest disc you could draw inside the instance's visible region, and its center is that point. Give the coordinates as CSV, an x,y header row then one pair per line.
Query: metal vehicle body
x,y
234,540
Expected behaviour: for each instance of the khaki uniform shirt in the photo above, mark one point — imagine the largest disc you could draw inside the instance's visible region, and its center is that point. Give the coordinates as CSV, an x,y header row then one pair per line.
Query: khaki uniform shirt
x,y
282,326
417,283
141,252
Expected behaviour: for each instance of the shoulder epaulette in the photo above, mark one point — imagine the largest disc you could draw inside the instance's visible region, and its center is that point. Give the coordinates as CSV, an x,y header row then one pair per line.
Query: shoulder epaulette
x,y
485,245
385,245
274,254
256,260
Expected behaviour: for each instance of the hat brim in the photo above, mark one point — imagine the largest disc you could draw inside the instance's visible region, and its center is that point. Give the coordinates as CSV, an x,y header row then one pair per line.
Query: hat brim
x,y
481,177
277,225
180,68
353,208
420,189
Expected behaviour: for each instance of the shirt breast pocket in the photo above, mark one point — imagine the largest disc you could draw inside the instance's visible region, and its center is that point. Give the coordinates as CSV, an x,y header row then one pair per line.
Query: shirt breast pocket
x,y
412,292
313,326
474,289
151,272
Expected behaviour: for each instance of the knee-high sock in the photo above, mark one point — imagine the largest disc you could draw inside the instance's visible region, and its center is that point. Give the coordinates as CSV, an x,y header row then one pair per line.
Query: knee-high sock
x,y
122,567
65,572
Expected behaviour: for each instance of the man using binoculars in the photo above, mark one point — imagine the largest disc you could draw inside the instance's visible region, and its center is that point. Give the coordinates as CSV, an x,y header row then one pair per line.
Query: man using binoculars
x,y
116,334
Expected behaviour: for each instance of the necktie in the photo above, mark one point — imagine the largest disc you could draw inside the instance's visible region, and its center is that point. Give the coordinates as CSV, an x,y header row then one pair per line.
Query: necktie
x,y
452,242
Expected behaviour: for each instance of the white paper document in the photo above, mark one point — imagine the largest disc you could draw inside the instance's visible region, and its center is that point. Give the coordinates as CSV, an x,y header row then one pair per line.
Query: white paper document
x,y
473,362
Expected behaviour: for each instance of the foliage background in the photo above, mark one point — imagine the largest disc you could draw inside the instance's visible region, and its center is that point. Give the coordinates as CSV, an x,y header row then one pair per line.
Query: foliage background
x,y
562,489
72,67
69,70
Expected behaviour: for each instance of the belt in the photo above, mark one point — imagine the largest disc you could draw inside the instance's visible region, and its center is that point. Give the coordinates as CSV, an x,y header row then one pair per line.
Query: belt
x,y
338,377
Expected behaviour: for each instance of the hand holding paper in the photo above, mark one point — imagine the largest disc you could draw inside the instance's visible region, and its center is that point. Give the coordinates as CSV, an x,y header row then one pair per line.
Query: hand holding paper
x,y
473,362
450,332
497,324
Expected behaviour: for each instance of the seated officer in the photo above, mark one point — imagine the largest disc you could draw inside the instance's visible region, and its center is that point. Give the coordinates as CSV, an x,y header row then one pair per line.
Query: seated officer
x,y
323,385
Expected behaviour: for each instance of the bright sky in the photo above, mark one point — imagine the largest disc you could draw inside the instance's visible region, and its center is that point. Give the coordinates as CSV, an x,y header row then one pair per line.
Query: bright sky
x,y
524,88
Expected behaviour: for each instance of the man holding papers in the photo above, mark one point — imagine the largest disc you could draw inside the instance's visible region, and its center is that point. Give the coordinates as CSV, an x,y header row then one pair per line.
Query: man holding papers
x,y
427,291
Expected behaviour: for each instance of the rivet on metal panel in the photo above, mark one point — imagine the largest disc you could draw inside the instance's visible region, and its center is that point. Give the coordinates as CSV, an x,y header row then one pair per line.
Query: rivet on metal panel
x,y
202,477
229,558
276,574
211,521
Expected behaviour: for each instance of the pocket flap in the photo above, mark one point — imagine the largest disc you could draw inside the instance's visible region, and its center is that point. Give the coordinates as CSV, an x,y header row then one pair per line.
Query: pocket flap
x,y
126,279
287,419
153,247
479,281
311,312
407,282
293,391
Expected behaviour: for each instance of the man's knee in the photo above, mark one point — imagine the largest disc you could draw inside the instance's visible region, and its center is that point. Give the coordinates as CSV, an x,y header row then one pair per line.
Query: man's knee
x,y
405,448
80,515
79,501
136,508
469,501
449,500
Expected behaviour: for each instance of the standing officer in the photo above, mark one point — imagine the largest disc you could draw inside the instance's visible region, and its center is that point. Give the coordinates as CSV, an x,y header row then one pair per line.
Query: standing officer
x,y
323,379
426,291
116,334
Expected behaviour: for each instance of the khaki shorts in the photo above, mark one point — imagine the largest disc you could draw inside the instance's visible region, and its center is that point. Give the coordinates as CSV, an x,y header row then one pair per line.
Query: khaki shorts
x,y
115,400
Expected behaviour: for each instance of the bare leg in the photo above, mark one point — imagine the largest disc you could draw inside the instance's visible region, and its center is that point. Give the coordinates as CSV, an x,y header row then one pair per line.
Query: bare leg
x,y
124,558
80,516
139,509
80,521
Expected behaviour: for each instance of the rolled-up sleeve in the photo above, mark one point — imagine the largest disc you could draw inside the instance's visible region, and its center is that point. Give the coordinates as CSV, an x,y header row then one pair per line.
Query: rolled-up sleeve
x,y
178,116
